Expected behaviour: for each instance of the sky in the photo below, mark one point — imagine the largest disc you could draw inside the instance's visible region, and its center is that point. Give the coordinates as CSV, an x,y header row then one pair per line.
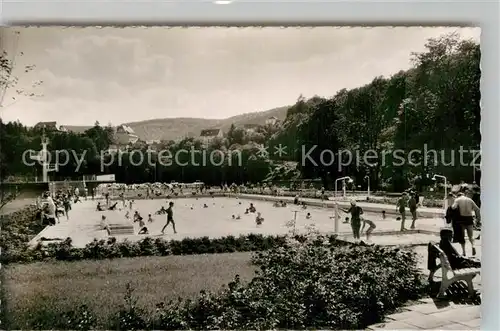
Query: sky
x,y
118,75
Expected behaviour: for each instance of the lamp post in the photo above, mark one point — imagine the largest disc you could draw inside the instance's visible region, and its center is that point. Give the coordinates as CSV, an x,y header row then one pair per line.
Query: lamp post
x,y
349,180
435,177
368,180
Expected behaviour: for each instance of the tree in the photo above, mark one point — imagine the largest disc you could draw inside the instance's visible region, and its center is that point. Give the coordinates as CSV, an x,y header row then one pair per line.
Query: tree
x,y
8,81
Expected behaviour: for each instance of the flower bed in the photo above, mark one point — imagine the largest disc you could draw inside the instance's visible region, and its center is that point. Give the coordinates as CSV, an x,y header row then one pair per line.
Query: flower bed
x,y
306,282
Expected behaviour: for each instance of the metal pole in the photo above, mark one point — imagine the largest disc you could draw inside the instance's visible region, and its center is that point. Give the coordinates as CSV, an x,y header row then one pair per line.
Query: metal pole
x,y
445,195
45,168
336,210
294,221
368,187
344,188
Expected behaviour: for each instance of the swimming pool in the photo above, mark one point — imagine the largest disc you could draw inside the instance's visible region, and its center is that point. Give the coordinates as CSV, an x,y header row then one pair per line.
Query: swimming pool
x,y
193,220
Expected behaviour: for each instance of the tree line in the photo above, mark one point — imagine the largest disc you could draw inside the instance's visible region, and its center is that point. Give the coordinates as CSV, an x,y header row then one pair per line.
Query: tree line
x,y
433,106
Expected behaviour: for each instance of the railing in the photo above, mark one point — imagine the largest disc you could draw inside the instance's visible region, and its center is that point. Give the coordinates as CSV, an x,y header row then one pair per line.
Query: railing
x,y
89,177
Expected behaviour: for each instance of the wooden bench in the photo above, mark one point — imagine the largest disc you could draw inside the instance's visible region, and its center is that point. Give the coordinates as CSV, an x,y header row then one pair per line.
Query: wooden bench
x,y
450,276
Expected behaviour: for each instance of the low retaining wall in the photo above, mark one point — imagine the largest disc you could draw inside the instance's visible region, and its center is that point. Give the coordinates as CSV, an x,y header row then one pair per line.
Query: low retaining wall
x,y
422,212
371,207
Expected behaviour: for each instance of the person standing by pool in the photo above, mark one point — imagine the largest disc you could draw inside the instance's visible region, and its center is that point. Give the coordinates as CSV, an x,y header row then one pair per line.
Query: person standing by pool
x,y
356,213
67,205
401,207
466,209
170,217
412,204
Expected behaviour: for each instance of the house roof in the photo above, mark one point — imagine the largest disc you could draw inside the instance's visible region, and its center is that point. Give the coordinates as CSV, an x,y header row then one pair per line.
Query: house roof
x,y
209,132
46,124
126,128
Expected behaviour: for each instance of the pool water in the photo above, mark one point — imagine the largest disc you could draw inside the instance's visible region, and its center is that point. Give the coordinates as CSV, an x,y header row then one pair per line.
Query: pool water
x,y
193,220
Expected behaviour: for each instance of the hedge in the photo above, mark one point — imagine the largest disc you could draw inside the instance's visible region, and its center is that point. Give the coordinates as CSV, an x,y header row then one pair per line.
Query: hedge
x,y
302,284
20,227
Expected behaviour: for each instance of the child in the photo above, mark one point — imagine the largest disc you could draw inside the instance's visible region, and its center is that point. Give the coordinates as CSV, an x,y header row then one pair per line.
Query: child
x,y
150,219
67,205
308,216
252,209
304,205
137,217
104,224
122,198
259,219
161,211
371,227
130,204
346,220
142,227
246,211
383,214
127,215
99,207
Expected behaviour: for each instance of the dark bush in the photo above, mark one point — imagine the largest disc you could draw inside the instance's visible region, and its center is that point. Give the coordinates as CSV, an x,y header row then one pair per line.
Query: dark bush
x,y
314,282
18,228
306,284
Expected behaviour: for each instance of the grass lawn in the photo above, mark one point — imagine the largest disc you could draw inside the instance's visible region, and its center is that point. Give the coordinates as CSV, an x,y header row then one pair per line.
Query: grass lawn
x,y
57,286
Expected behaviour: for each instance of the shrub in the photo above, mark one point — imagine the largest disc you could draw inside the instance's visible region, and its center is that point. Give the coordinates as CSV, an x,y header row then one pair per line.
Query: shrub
x,y
130,317
306,284
307,281
18,228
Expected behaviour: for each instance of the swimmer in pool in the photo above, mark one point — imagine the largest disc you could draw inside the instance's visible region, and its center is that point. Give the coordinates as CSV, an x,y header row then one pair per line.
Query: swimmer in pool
x,y
259,219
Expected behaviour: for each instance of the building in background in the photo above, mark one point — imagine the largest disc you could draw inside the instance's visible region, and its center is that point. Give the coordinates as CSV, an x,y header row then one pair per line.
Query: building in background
x,y
272,121
124,135
50,126
251,128
210,134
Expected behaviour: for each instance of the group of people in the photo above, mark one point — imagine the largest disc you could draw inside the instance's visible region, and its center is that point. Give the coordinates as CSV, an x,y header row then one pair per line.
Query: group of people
x,y
411,201
53,206
358,223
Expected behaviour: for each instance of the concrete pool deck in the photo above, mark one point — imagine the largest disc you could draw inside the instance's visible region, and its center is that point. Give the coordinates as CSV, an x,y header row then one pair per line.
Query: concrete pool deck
x,y
192,220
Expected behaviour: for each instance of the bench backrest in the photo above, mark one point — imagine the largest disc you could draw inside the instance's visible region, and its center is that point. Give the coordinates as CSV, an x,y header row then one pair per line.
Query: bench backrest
x,y
445,263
